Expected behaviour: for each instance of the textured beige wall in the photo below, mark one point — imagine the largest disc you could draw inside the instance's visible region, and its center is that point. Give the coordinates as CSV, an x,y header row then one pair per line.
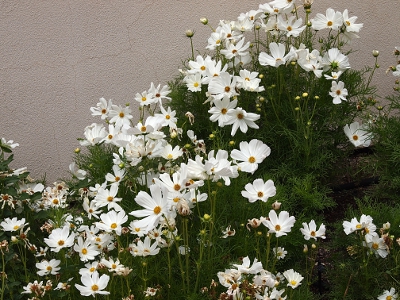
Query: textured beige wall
x,y
57,58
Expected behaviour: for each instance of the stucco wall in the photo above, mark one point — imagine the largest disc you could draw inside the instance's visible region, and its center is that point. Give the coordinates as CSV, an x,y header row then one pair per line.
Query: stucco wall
x,y
57,58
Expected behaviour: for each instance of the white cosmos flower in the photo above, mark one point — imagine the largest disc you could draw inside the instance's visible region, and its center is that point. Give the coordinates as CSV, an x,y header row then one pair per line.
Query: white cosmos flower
x,y
389,295
94,134
93,284
246,268
239,118
292,25
338,92
349,22
259,190
48,267
219,112
357,134
294,279
112,221
102,108
335,60
13,224
223,85
277,56
144,248
310,231
155,206
250,155
280,225
332,20
85,248
60,238
377,245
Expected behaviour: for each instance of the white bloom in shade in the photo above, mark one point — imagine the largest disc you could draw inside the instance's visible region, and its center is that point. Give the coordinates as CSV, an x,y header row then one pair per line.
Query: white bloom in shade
x,y
112,221
219,112
223,85
353,225
332,20
155,206
389,295
277,56
239,118
310,231
349,22
48,267
338,92
365,224
111,264
280,225
60,238
90,268
259,190
250,155
294,279
93,284
279,252
357,134
377,245
13,224
245,267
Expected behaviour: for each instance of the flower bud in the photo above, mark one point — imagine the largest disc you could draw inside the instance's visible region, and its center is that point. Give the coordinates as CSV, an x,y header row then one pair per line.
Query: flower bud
x,y
206,217
304,95
313,246
77,150
276,205
375,53
305,249
204,21
211,136
189,33
121,165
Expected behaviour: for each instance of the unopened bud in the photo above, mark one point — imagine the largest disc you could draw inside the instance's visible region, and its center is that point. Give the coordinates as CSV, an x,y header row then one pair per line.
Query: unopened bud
x,y
305,249
189,33
204,21
304,95
276,205
77,150
313,246
206,217
375,53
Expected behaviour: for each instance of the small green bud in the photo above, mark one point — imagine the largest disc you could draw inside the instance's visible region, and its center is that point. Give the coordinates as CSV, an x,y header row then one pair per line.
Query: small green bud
x,y
316,97
261,99
231,143
206,217
211,136
297,108
297,98
121,165
261,76
204,21
77,150
304,95
375,53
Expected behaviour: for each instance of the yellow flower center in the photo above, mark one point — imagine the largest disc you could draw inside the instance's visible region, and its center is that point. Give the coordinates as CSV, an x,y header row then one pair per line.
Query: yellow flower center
x,y
168,117
224,111
121,114
84,251
177,187
110,198
92,269
114,225
196,84
227,89
95,287
103,111
16,227
49,268
252,159
110,136
144,99
143,129
117,178
277,227
289,28
170,156
240,116
330,23
355,137
358,226
348,23
157,210
202,68
60,242
260,194
293,282
55,201
375,246
313,233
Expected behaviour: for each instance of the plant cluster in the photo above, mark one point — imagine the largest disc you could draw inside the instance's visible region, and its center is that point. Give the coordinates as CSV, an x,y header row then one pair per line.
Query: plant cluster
x,y
171,206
